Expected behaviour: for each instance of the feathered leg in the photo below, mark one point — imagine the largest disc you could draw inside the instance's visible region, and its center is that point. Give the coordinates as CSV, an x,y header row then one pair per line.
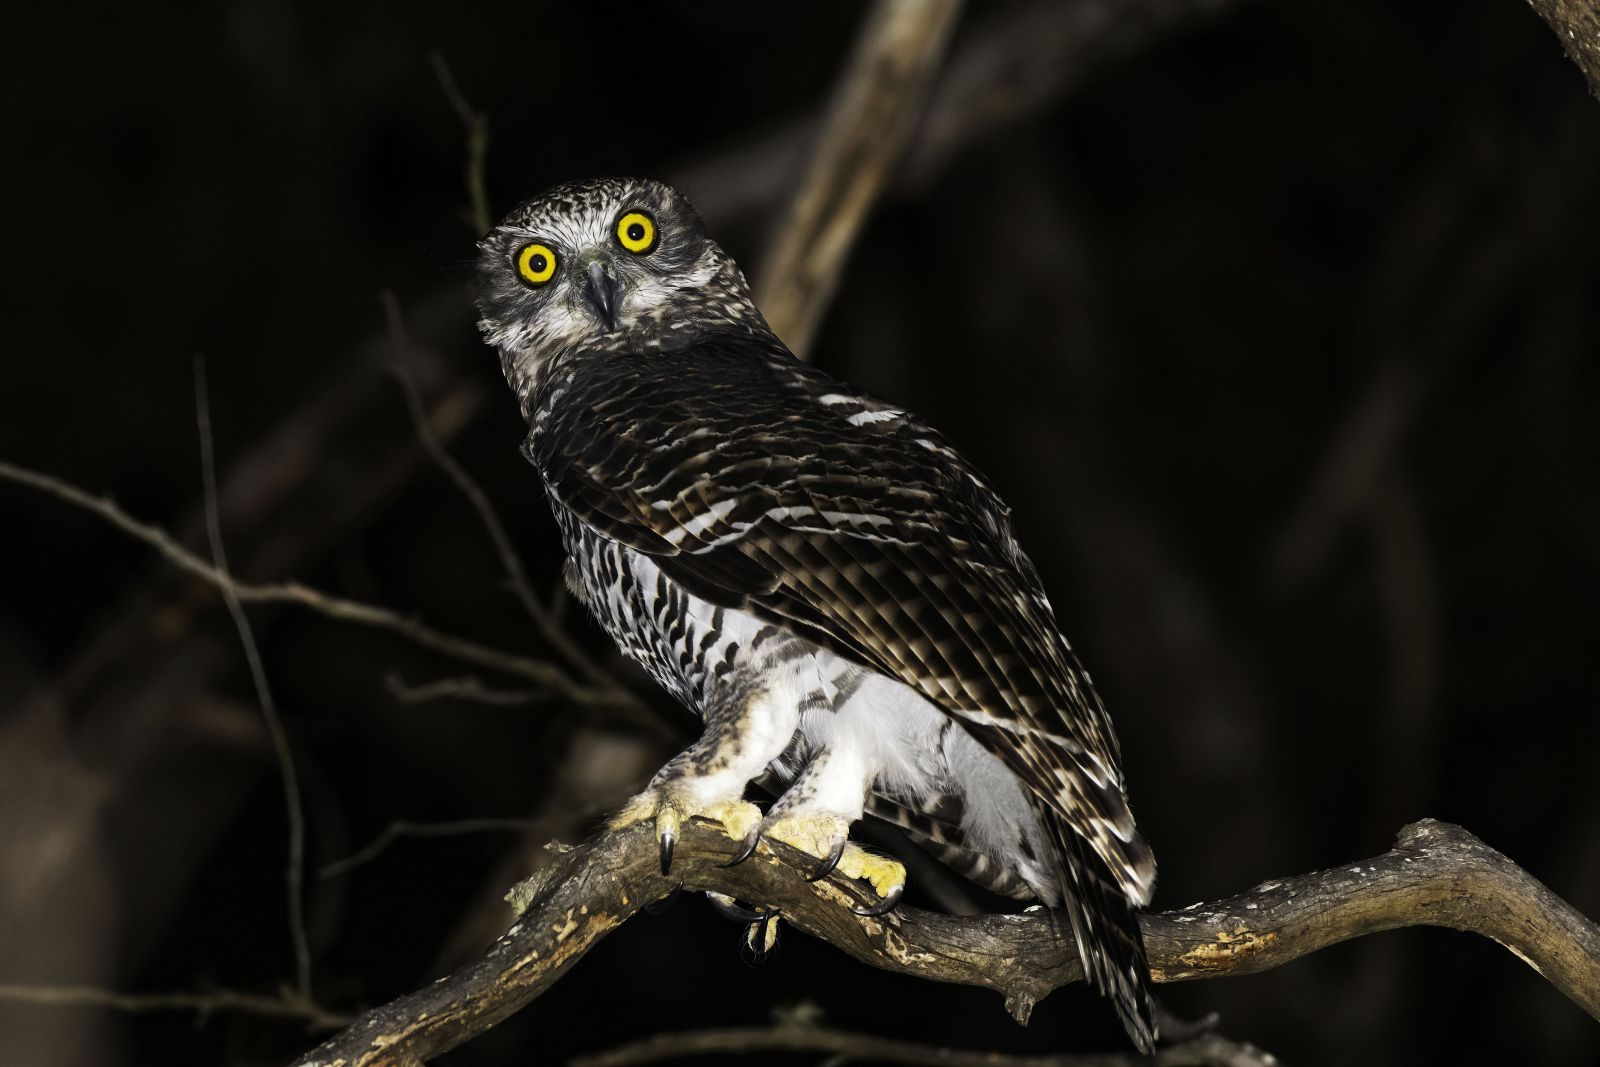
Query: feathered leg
x,y
745,729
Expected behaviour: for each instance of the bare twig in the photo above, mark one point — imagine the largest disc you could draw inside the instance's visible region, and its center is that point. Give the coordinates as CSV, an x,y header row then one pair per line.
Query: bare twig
x,y
402,828
477,124
1437,875
548,627
546,675
294,866
876,105
1207,1051
469,689
291,1007
1577,26
1012,65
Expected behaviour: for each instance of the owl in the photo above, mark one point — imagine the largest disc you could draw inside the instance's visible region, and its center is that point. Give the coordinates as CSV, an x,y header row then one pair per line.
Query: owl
x,y
824,580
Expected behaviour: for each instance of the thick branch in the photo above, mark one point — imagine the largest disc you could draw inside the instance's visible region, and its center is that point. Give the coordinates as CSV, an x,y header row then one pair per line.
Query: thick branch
x,y
1577,26
1436,875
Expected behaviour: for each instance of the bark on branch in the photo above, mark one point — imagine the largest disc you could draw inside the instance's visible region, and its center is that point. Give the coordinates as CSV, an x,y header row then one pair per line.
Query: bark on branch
x,y
1577,26
1436,875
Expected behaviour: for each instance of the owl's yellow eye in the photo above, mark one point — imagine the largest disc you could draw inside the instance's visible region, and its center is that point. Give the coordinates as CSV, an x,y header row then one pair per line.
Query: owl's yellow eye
x,y
636,232
536,263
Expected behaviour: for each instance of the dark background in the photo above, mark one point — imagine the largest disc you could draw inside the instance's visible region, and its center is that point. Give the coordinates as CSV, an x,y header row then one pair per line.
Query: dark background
x,y
1277,331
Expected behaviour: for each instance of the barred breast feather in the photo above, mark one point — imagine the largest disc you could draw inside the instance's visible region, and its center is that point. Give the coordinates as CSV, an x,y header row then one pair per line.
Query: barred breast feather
x,y
759,483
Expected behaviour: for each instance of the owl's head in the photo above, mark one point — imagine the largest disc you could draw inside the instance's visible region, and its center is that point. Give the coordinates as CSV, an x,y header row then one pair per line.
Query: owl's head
x,y
612,264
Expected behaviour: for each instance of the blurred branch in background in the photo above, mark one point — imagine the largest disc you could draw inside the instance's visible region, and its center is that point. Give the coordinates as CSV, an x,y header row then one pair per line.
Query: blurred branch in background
x,y
877,100
1206,1051
544,621
294,868
553,680
1436,875
1009,67
405,828
468,689
478,215
290,1006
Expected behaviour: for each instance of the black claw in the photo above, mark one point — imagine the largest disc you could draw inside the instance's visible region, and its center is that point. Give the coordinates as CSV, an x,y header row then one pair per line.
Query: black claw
x,y
829,862
746,850
730,910
656,907
669,841
758,946
884,906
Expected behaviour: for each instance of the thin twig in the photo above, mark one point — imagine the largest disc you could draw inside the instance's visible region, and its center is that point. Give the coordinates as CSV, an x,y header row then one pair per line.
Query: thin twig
x,y
284,1007
400,828
548,628
469,689
294,868
1436,875
875,107
1207,1051
477,124
403,828
547,675
1016,62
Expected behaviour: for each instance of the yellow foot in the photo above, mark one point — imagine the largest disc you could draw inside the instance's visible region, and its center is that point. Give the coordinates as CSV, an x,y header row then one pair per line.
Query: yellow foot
x,y
824,836
670,805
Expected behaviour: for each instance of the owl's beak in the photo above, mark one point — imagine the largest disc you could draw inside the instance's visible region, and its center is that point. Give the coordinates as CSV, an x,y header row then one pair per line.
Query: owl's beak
x,y
602,292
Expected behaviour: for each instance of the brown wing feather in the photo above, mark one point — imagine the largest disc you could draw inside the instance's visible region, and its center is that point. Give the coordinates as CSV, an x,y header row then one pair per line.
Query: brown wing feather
x,y
760,483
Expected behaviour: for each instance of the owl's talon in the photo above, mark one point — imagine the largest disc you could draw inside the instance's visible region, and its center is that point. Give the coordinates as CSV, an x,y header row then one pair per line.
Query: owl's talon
x,y
669,804
884,906
733,911
829,862
746,850
824,835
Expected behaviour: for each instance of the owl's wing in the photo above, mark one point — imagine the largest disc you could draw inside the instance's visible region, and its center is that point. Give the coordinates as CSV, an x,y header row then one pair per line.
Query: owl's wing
x,y
759,483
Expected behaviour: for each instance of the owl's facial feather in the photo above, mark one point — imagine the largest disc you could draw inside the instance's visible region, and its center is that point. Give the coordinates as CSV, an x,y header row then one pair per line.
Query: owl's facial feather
x,y
633,271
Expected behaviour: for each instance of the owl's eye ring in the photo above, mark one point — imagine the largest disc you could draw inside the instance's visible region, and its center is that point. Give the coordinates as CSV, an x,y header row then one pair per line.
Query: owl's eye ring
x,y
636,231
536,263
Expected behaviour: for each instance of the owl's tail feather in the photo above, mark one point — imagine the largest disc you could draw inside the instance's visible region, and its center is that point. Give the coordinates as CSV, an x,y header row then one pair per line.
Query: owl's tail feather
x,y
1106,926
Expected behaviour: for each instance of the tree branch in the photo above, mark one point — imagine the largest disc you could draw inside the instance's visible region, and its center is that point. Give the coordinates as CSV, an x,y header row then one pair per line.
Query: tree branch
x,y
489,824
289,1006
1436,875
1013,63
516,575
477,214
547,675
876,105
467,689
295,864
1577,26
1206,1051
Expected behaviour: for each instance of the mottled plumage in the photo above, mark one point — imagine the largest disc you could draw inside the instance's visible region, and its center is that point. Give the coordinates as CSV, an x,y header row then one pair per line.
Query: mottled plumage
x,y
819,575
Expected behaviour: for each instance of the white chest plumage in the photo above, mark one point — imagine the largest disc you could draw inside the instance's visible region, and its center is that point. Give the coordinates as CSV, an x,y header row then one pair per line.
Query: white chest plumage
x,y
893,753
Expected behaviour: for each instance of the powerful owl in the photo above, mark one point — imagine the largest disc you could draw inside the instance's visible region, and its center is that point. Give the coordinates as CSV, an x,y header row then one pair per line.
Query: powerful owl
x,y
825,581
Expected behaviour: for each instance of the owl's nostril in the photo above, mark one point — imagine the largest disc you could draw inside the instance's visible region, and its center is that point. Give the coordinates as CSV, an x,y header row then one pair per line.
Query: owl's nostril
x,y
601,290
